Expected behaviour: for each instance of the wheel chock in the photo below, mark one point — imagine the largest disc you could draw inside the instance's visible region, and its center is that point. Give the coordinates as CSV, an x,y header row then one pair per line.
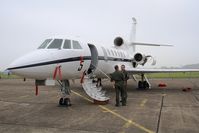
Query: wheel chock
x,y
100,102
186,89
162,85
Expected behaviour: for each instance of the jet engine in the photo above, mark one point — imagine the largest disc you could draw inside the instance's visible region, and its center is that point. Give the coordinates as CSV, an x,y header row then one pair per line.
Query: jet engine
x,y
141,59
118,41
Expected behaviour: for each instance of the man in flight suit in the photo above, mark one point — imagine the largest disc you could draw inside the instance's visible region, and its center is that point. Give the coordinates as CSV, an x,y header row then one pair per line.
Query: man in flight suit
x,y
126,77
118,78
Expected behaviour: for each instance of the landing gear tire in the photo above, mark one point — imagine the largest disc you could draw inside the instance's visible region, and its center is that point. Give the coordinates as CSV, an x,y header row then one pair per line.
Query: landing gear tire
x,y
143,85
146,85
61,101
140,85
67,102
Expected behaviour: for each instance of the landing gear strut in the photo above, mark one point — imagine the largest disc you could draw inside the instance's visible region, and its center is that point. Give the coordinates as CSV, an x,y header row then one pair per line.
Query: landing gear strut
x,y
65,92
144,83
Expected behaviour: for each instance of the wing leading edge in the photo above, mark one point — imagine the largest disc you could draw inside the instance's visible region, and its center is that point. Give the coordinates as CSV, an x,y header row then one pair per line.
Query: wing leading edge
x,y
143,71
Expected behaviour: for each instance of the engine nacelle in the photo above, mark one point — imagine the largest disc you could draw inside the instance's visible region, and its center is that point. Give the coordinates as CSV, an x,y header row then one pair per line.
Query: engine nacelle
x,y
118,41
140,58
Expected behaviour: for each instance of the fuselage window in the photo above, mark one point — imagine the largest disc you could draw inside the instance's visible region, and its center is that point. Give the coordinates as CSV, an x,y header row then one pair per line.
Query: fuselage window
x,y
67,44
76,45
108,52
44,44
119,54
122,54
112,52
56,44
115,53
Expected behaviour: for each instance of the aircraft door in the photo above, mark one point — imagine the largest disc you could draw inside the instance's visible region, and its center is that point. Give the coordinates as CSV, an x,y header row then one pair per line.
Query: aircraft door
x,y
94,58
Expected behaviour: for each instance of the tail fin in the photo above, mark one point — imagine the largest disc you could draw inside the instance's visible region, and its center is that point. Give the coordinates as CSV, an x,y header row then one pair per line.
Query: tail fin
x,y
133,35
133,30
132,39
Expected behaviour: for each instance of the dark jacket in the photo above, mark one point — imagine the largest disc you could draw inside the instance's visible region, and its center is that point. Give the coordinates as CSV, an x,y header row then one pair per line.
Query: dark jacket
x,y
126,76
118,77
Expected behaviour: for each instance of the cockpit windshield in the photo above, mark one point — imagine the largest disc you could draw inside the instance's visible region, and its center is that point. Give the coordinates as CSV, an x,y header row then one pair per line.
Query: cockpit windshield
x,y
56,44
44,44
76,45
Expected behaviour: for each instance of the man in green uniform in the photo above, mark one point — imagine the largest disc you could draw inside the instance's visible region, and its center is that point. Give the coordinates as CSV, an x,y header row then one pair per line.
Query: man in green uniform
x,y
118,78
126,77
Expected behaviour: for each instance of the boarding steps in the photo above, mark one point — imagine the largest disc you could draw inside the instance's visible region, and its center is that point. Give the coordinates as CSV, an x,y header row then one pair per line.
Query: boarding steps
x,y
96,93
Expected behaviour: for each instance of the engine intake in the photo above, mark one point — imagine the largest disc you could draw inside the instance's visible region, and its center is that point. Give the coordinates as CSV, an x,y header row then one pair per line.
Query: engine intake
x,y
118,41
140,59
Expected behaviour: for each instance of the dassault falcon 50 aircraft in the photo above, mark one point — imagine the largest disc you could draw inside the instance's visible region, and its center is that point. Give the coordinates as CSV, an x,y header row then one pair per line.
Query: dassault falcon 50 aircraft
x,y
65,59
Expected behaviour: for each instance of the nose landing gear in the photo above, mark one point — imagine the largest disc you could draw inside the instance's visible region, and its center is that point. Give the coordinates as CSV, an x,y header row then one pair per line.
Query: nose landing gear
x,y
65,102
65,92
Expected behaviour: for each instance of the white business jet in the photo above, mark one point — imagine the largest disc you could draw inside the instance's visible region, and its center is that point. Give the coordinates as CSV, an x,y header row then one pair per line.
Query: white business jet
x,y
65,59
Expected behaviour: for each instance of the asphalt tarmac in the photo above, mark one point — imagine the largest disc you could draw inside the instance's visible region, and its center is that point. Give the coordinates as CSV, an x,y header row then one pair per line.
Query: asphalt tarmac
x,y
158,110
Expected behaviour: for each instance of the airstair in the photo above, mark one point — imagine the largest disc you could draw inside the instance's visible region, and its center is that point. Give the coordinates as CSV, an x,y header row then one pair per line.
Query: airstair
x,y
94,91
88,79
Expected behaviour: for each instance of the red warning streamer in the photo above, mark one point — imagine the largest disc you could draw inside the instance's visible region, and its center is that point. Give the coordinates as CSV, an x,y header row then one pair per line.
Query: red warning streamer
x,y
81,59
36,90
55,73
82,77
57,70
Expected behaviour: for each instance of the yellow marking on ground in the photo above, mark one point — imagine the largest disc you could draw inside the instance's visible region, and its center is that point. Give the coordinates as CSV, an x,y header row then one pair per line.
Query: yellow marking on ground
x,y
24,96
127,125
143,102
117,115
82,96
108,111
125,119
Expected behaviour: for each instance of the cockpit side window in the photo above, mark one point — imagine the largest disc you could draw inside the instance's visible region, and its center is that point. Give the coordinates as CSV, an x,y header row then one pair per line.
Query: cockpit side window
x,y
56,44
76,45
44,44
67,44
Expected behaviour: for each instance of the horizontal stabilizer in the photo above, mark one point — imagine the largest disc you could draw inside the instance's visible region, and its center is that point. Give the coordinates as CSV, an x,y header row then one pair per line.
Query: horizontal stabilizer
x,y
149,44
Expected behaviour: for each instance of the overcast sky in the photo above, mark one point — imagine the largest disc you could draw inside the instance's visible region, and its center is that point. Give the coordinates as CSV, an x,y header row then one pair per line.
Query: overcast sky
x,y
24,24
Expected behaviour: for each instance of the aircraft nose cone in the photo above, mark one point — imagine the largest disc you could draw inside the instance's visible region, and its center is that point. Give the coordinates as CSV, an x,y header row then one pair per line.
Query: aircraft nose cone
x,y
19,64
16,63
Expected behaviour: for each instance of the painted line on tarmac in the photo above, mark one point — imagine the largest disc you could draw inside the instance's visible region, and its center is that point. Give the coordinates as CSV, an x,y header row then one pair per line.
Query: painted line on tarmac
x,y
142,104
127,120
126,125
24,96
130,122
108,111
76,93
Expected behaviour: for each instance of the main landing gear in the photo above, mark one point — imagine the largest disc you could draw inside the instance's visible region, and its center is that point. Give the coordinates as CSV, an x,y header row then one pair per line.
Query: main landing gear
x,y
144,83
65,93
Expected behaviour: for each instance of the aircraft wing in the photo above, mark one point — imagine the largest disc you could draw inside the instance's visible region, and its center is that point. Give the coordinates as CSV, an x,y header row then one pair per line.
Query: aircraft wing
x,y
143,71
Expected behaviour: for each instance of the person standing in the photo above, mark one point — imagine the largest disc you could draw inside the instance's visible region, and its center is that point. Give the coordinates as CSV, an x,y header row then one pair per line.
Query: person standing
x,y
126,77
118,78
